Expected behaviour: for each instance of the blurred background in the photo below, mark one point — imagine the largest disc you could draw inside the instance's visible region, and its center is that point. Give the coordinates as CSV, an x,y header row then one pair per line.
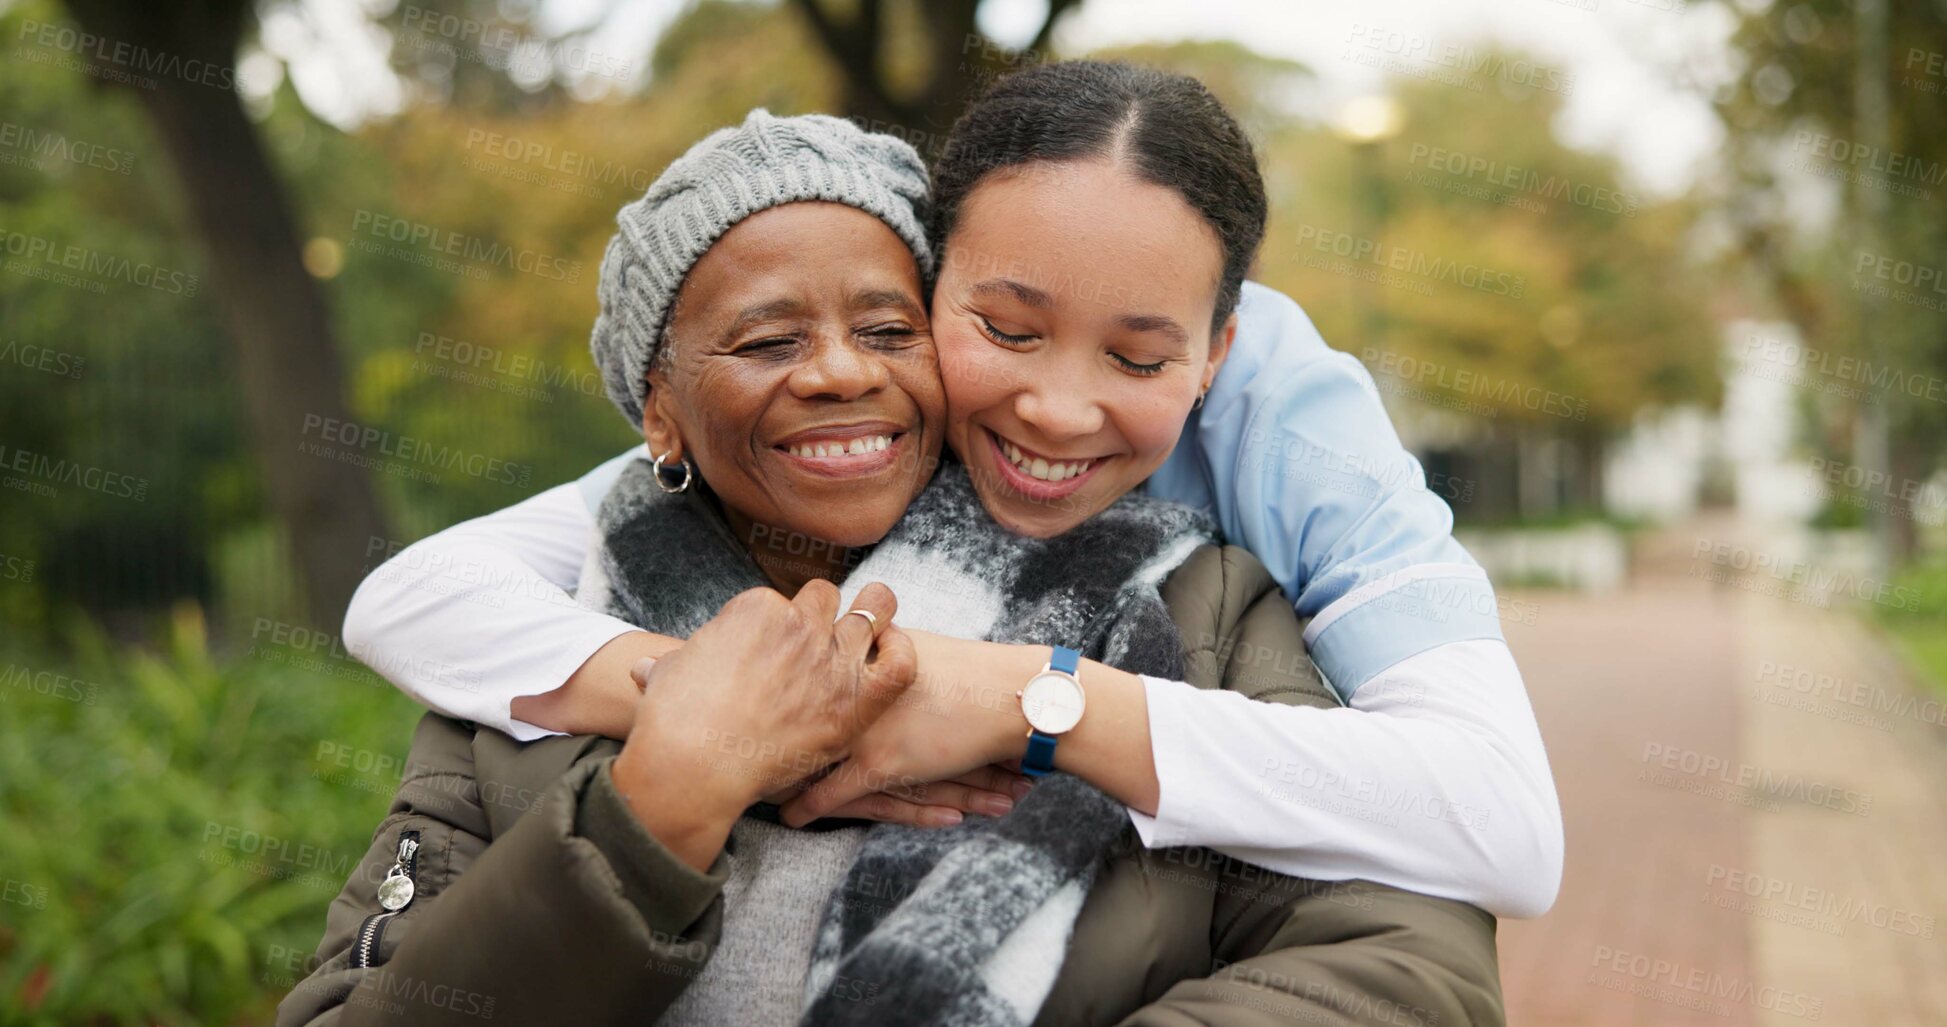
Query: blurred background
x,y
1656,289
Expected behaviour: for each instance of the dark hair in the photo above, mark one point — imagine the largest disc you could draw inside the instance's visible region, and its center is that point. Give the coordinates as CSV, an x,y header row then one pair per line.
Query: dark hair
x,y
1166,127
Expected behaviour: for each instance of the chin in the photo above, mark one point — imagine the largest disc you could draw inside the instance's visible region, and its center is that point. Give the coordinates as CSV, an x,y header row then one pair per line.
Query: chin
x,y
858,529
1031,520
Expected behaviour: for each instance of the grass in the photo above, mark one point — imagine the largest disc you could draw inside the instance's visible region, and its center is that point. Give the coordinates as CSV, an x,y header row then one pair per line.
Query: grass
x,y
1924,644
173,825
1920,630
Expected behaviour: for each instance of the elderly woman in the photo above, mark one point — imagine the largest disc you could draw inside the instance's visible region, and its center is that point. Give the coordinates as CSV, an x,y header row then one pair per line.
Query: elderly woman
x,y
651,884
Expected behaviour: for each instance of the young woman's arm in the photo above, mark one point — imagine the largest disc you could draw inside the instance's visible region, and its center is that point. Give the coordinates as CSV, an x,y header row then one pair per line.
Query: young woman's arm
x,y
477,622
1448,733
1413,787
1296,455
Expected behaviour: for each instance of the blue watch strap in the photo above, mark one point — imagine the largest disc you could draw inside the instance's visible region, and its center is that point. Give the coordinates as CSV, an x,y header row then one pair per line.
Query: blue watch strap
x,y
1040,757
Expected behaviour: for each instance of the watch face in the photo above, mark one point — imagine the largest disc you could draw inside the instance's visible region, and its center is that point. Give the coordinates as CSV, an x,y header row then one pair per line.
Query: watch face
x,y
1053,702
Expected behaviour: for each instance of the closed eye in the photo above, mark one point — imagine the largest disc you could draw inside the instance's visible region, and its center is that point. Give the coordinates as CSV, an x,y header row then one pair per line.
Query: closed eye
x,y
767,347
1004,338
889,334
1134,368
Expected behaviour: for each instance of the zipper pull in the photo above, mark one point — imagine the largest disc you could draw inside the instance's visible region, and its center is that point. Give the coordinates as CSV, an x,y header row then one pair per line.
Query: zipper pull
x,y
395,892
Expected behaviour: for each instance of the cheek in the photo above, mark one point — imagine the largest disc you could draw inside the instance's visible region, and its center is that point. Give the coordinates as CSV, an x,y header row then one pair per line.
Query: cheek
x,y
1150,419
725,406
916,372
977,374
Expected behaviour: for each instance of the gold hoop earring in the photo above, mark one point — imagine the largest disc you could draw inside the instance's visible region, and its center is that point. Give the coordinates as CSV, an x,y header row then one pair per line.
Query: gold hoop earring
x,y
656,465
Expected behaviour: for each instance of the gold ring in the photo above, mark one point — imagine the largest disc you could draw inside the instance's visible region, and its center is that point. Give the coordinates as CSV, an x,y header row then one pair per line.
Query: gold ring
x,y
867,614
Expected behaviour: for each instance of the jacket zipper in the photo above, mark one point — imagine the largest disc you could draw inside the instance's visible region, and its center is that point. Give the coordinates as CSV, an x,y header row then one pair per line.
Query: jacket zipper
x,y
395,894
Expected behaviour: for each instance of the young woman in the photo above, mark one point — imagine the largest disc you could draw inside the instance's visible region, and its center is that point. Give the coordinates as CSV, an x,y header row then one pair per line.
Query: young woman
x,y
1061,287
641,885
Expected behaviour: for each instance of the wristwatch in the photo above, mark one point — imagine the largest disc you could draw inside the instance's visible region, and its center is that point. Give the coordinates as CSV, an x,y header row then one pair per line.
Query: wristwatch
x,y
1053,701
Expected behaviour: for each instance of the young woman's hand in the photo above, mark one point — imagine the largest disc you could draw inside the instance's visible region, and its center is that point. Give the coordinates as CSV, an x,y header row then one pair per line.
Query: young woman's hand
x,y
963,713
768,693
919,803
941,742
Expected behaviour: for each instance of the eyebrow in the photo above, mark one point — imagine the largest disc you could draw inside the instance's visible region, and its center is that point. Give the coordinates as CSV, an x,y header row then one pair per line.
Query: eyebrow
x,y
759,314
1036,298
1165,326
871,299
1021,291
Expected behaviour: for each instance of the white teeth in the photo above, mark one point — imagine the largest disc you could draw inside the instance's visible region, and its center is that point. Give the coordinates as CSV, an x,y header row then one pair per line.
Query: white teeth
x,y
856,447
1040,468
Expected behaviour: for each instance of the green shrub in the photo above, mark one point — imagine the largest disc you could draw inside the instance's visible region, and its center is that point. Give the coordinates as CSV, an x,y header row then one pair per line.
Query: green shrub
x,y
172,826
1926,587
1920,627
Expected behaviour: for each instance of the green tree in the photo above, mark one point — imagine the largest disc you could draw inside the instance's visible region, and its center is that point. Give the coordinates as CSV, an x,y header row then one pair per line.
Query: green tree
x,y
275,316
1480,266
1827,91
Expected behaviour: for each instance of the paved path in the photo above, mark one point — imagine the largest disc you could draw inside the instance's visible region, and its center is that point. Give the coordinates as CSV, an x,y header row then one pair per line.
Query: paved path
x,y
1756,807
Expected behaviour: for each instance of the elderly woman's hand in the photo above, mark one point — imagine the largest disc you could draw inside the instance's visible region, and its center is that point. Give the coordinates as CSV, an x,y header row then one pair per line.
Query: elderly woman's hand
x,y
768,693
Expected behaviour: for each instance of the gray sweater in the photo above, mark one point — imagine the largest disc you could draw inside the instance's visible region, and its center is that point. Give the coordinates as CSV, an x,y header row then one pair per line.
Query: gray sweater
x,y
779,883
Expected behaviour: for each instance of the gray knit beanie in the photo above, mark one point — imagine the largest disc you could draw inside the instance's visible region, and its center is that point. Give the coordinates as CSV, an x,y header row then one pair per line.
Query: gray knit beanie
x,y
765,162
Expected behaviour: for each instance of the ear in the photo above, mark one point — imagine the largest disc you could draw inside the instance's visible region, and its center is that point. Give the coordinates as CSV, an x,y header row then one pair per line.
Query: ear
x,y
659,426
1220,349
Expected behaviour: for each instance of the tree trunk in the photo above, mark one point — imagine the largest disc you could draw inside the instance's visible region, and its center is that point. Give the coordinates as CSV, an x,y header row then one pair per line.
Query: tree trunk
x,y
1911,473
962,62
278,322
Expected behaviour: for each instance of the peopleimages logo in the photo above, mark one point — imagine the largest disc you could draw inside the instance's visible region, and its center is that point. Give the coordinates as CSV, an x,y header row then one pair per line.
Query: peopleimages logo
x,y
1522,180
470,248
1410,261
1701,983
1800,574
571,163
69,257
1468,65
404,447
1473,383
57,148
41,469
128,55
1707,767
1821,901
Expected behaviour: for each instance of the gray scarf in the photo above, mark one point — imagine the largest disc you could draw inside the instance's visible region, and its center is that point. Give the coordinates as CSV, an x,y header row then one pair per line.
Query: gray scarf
x,y
965,925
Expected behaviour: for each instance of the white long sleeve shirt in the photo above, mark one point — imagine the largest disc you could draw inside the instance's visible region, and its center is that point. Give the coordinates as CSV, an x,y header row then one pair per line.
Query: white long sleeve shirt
x,y
1432,778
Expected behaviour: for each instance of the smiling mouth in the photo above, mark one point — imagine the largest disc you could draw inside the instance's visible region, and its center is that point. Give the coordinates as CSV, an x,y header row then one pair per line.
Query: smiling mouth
x,y
1035,475
859,446
846,451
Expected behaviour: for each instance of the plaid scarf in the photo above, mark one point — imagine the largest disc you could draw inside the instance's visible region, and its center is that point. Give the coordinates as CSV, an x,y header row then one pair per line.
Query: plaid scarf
x,y
965,926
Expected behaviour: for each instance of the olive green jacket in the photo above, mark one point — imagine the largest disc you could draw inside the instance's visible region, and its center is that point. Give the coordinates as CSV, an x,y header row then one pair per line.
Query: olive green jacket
x,y
537,898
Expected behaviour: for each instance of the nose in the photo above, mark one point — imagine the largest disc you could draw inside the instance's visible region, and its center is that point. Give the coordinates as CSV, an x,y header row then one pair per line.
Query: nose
x,y
838,370
1059,410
